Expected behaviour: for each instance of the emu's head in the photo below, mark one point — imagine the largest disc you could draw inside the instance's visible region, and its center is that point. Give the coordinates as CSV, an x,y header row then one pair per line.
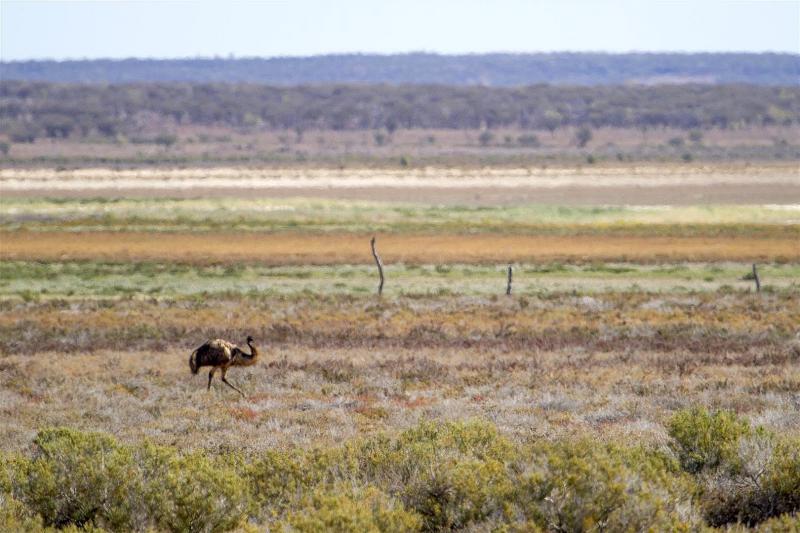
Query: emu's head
x,y
249,339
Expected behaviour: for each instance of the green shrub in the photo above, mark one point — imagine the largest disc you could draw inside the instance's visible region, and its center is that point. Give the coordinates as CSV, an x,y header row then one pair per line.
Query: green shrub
x,y
88,479
280,479
585,486
14,516
761,491
452,474
342,510
529,140
786,523
431,477
745,475
80,478
783,477
195,492
704,440
8,471
457,494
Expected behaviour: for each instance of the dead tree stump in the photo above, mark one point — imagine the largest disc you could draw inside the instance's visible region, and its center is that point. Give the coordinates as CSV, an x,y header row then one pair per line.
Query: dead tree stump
x,y
756,279
379,263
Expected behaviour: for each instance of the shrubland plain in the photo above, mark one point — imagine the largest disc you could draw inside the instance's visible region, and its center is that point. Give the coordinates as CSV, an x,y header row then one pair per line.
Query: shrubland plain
x,y
634,380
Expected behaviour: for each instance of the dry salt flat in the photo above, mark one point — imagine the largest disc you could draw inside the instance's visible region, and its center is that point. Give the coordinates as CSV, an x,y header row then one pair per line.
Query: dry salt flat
x,y
633,185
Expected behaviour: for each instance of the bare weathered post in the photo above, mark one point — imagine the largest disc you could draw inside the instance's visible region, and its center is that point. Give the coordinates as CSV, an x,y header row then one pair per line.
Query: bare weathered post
x,y
755,278
508,287
379,263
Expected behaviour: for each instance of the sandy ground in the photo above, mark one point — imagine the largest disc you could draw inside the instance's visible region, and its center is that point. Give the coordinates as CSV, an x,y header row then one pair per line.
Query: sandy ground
x,y
635,185
278,249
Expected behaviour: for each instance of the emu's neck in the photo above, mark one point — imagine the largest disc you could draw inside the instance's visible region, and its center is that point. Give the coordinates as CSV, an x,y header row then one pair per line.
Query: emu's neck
x,y
248,359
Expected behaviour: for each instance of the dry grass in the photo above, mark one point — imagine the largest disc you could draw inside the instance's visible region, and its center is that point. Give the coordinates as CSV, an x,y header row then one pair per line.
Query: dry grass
x,y
283,249
299,396
612,366
747,329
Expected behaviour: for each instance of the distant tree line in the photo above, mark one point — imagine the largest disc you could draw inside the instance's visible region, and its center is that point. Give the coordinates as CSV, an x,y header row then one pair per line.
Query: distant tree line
x,y
34,109
497,70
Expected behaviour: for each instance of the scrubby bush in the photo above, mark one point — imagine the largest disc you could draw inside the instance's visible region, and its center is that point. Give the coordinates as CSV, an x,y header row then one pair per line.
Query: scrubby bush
x,y
783,477
767,485
786,523
455,495
80,478
446,476
196,493
746,474
704,440
281,478
15,516
529,140
451,474
89,479
344,510
584,486
431,477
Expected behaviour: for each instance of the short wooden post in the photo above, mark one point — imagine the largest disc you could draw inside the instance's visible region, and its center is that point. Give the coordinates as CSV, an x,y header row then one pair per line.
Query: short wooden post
x,y
755,278
508,286
379,263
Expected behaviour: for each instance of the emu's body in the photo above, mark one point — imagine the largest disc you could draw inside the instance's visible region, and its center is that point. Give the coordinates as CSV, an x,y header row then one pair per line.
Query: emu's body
x,y
222,354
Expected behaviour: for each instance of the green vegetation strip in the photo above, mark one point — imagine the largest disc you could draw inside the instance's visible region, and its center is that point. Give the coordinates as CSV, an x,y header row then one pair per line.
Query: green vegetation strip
x,y
307,215
716,469
35,281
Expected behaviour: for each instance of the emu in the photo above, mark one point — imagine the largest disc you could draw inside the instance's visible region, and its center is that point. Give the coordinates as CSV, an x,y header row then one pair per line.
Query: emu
x,y
222,354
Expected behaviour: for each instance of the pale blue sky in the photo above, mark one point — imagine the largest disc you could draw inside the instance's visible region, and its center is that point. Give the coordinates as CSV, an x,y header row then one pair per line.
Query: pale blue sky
x,y
169,29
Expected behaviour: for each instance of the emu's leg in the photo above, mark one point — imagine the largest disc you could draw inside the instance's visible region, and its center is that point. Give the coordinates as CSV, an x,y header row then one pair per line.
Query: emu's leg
x,y
224,370
210,377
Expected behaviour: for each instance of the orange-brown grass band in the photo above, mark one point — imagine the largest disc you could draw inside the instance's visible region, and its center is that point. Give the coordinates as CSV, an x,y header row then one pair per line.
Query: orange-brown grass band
x,y
290,249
